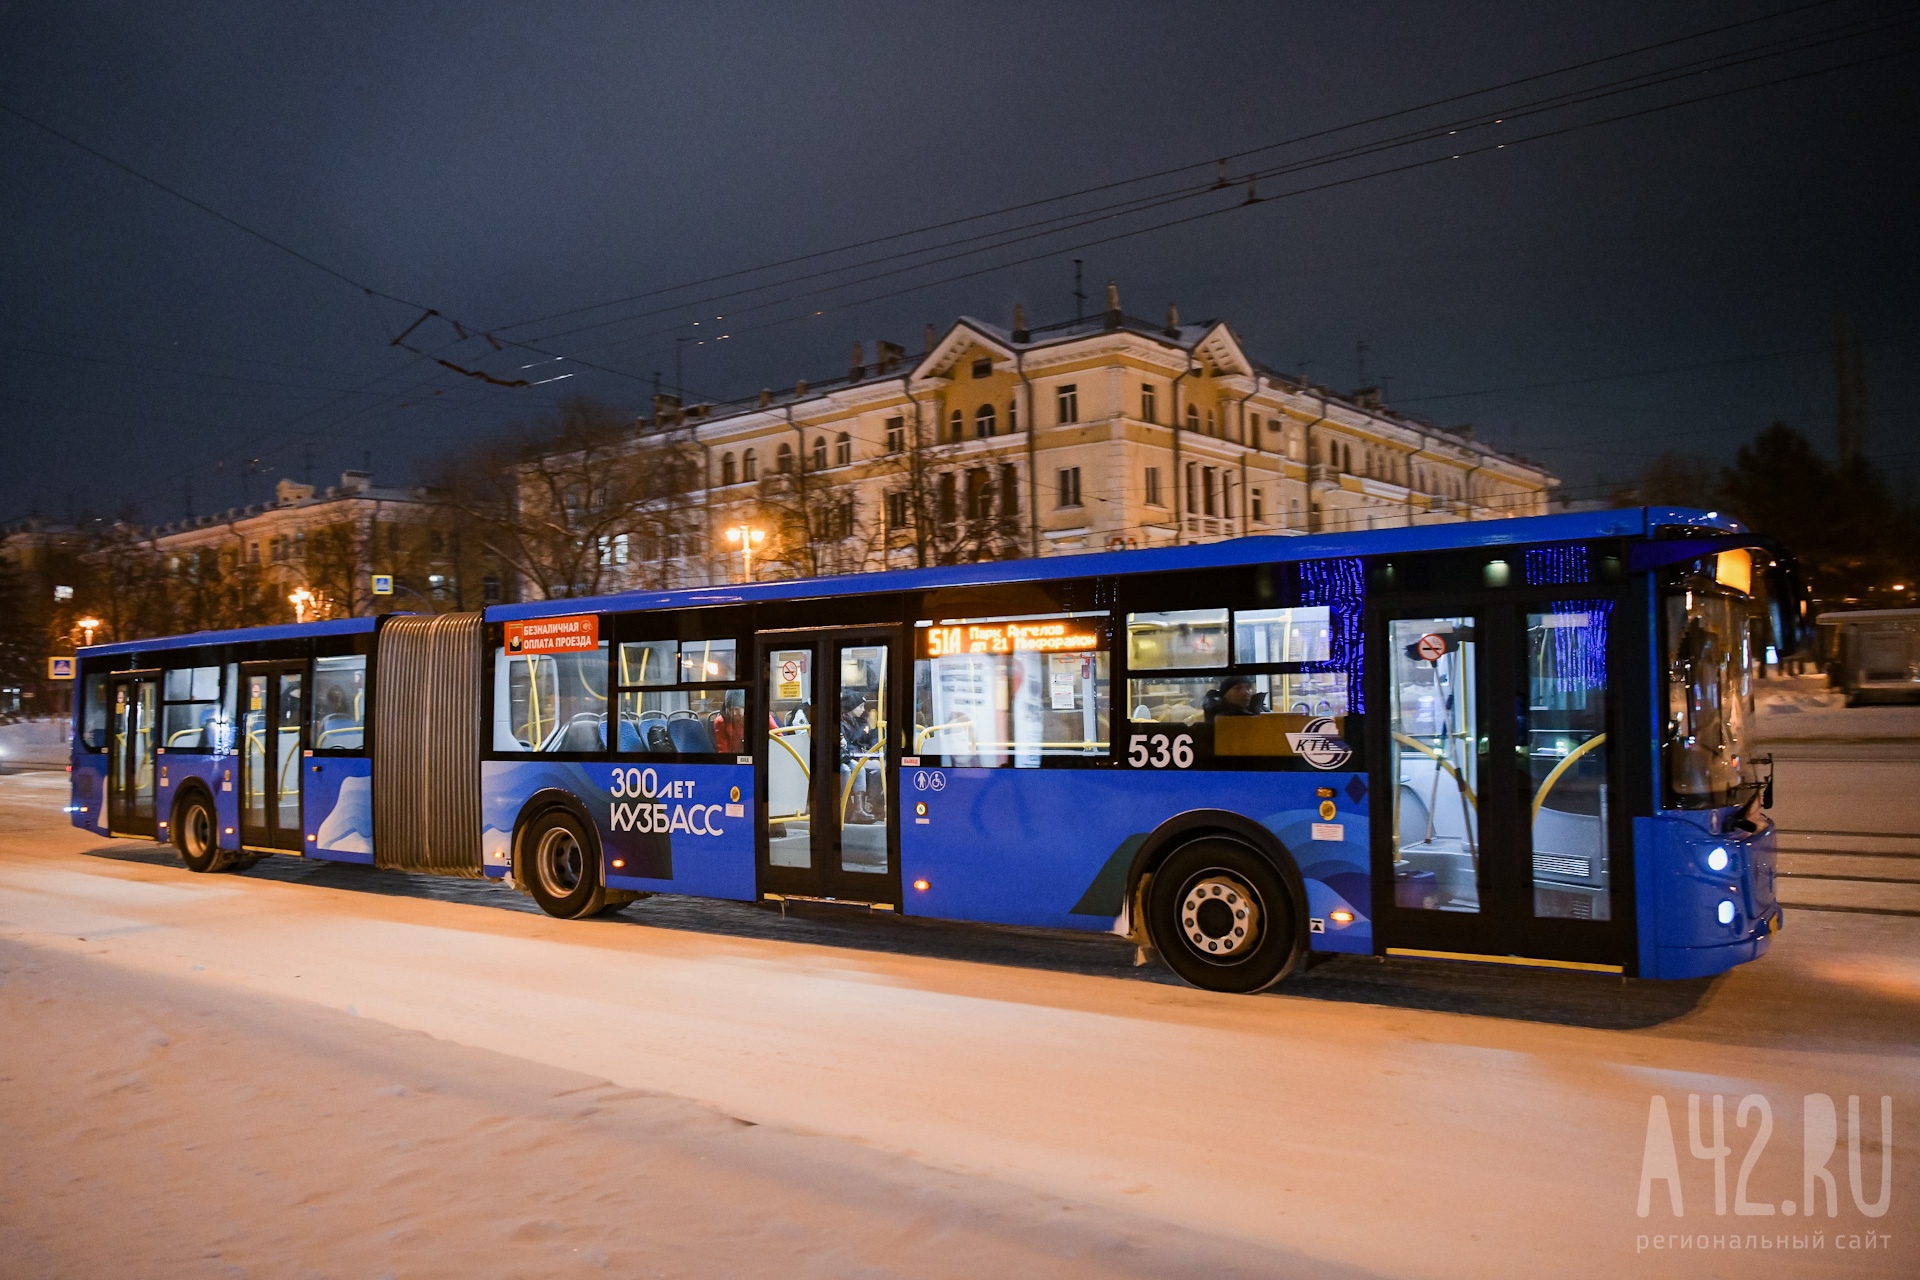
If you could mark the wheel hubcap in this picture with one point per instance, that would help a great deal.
(561, 862)
(1220, 916)
(199, 832)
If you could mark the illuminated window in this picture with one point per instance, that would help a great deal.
(1190, 638)
(1011, 692)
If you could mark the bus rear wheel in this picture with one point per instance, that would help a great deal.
(561, 867)
(196, 835)
(1222, 917)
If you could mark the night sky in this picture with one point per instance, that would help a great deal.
(501, 162)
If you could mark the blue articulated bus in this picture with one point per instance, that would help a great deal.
(1523, 740)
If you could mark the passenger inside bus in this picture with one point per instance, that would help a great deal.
(1234, 697)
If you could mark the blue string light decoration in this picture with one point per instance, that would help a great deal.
(1341, 585)
(1555, 566)
(1579, 653)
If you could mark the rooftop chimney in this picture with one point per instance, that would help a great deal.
(666, 408)
(800, 389)
(1020, 324)
(355, 481)
(887, 356)
(1173, 321)
(859, 369)
(766, 397)
(1113, 305)
(929, 337)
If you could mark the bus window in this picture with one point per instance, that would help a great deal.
(93, 723)
(1566, 751)
(1263, 636)
(649, 662)
(188, 722)
(1709, 693)
(998, 692)
(340, 703)
(667, 704)
(550, 701)
(1190, 638)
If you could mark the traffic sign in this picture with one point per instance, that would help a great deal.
(60, 668)
(383, 584)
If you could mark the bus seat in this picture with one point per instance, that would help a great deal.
(1413, 817)
(630, 739)
(691, 736)
(583, 733)
(658, 740)
(340, 732)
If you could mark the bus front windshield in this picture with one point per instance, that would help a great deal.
(1709, 661)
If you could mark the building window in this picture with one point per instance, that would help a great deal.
(896, 435)
(1153, 486)
(614, 550)
(1067, 488)
(984, 423)
(727, 469)
(896, 511)
(1013, 415)
(983, 367)
(783, 459)
(979, 493)
(1193, 419)
(1256, 508)
(1149, 403)
(1346, 457)
(1213, 428)
(835, 523)
(949, 500)
(819, 453)
(1068, 400)
(253, 553)
(956, 426)
(842, 449)
(1206, 491)
(1009, 490)
(490, 588)
(1193, 487)
(750, 466)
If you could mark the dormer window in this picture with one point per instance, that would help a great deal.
(983, 367)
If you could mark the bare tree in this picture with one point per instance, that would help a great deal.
(581, 502)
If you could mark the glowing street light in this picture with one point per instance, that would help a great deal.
(746, 538)
(301, 600)
(89, 625)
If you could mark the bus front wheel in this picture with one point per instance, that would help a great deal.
(1222, 917)
(561, 867)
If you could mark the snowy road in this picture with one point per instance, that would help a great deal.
(219, 1072)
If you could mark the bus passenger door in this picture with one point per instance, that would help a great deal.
(1499, 836)
(130, 781)
(272, 701)
(826, 768)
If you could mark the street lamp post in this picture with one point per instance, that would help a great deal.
(746, 538)
(301, 600)
(89, 625)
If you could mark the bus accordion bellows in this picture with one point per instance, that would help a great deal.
(1520, 741)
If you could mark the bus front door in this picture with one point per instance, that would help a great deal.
(1500, 836)
(130, 784)
(273, 702)
(829, 825)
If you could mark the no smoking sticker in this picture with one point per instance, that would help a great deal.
(1430, 647)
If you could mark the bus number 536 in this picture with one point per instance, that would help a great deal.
(1157, 751)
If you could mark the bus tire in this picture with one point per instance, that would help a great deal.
(1222, 917)
(196, 833)
(562, 866)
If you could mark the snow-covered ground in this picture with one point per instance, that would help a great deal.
(249, 1075)
(1801, 707)
(39, 744)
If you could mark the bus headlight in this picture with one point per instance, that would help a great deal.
(1726, 911)
(1717, 861)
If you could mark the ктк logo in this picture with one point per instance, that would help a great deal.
(1320, 745)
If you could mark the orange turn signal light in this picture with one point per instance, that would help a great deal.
(1340, 917)
(920, 885)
